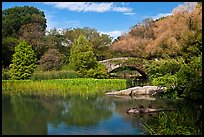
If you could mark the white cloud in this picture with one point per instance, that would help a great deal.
(53, 23)
(89, 6)
(160, 15)
(129, 13)
(121, 9)
(113, 34)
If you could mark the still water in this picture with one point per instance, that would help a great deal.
(104, 115)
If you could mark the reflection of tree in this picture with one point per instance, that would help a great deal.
(54, 106)
(23, 115)
(30, 114)
(24, 109)
(8, 124)
(81, 111)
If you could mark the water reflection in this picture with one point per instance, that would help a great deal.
(71, 115)
(21, 115)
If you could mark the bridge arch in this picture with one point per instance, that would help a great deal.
(135, 63)
(144, 75)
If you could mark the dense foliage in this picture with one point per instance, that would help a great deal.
(27, 23)
(175, 35)
(51, 60)
(183, 80)
(14, 18)
(23, 62)
(8, 47)
(83, 60)
(178, 66)
(82, 56)
(99, 42)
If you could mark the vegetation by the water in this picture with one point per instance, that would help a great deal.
(184, 121)
(62, 87)
(62, 74)
(183, 80)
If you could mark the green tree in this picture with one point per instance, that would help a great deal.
(51, 60)
(26, 23)
(23, 62)
(99, 42)
(14, 18)
(189, 79)
(82, 57)
(55, 39)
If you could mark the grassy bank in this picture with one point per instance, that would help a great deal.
(186, 120)
(62, 87)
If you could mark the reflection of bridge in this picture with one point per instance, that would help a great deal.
(136, 63)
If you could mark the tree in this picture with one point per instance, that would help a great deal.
(99, 42)
(26, 23)
(8, 47)
(177, 35)
(14, 18)
(23, 62)
(51, 60)
(82, 57)
(55, 39)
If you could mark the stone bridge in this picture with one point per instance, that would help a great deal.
(137, 63)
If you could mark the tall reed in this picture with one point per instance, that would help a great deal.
(63, 74)
(62, 87)
(187, 120)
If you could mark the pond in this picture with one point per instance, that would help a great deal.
(100, 115)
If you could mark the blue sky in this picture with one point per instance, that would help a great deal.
(113, 18)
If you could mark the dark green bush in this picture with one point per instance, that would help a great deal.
(184, 82)
(99, 72)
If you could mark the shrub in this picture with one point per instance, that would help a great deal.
(190, 79)
(99, 72)
(51, 60)
(164, 66)
(184, 82)
(5, 74)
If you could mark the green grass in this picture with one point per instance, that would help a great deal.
(63, 74)
(62, 87)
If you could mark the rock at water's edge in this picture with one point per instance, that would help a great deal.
(145, 90)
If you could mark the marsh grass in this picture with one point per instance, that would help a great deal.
(62, 87)
(63, 74)
(185, 121)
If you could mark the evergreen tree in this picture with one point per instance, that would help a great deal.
(82, 57)
(23, 62)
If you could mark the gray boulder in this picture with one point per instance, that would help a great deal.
(145, 90)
